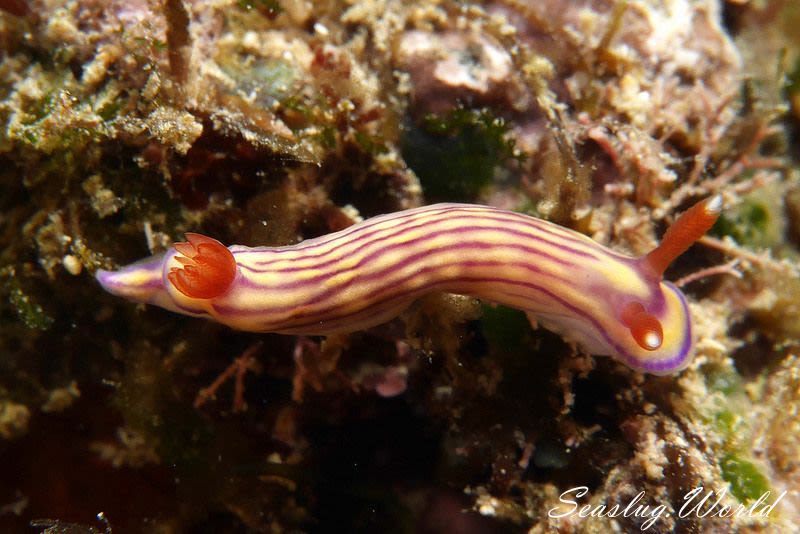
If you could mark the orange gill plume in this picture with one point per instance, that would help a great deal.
(208, 267)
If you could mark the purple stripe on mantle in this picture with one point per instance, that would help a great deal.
(413, 223)
(411, 243)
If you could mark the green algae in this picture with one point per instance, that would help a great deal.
(747, 481)
(726, 381)
(370, 144)
(30, 312)
(755, 217)
(62, 118)
(455, 155)
(728, 398)
(755, 222)
(266, 80)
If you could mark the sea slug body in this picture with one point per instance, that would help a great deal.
(608, 303)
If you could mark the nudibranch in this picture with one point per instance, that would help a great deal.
(362, 276)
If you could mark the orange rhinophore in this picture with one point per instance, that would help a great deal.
(208, 267)
(689, 227)
(644, 327)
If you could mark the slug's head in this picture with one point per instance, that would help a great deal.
(654, 335)
(185, 279)
(659, 329)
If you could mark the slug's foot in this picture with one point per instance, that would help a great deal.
(208, 267)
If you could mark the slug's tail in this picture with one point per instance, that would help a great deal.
(139, 282)
(687, 229)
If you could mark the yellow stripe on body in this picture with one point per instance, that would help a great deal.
(356, 267)
(356, 293)
(337, 250)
